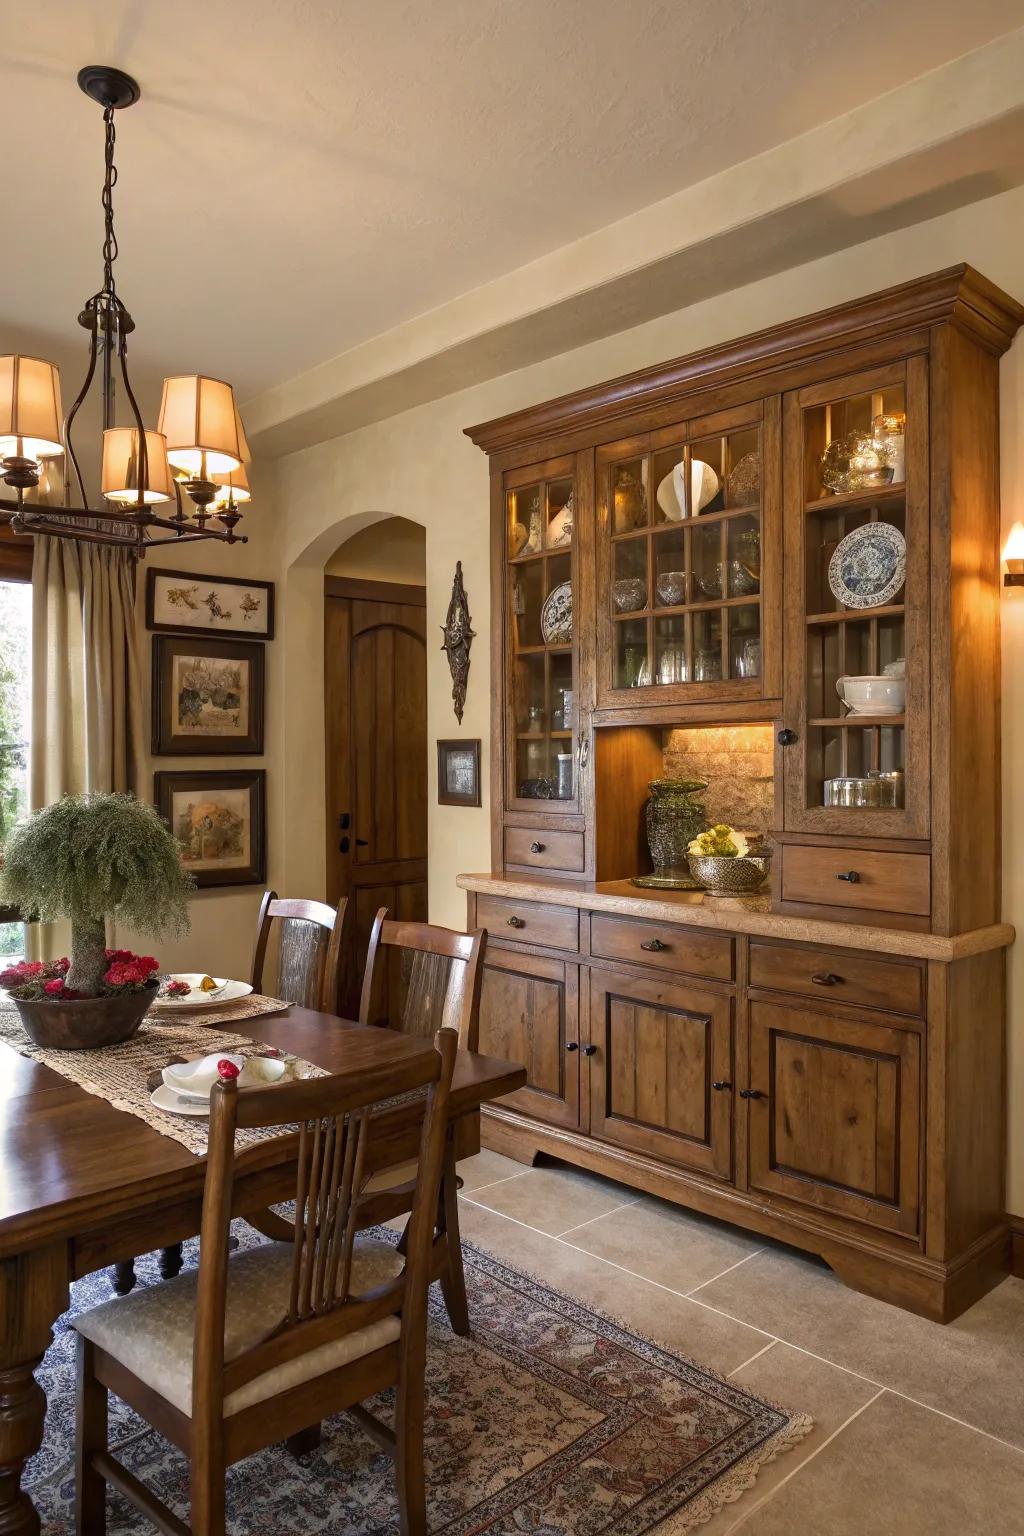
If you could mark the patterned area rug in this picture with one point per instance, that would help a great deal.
(550, 1419)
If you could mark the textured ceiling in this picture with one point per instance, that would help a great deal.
(300, 176)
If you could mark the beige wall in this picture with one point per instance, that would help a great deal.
(391, 550)
(421, 459)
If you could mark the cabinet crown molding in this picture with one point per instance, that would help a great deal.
(958, 295)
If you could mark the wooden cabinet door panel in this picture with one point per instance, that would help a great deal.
(836, 1120)
(529, 1013)
(658, 1048)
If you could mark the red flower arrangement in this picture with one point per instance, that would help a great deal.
(43, 980)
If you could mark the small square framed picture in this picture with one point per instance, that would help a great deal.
(458, 773)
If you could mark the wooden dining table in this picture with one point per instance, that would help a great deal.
(84, 1186)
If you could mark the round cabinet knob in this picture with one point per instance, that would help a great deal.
(537, 847)
(751, 1093)
(851, 877)
(655, 946)
(786, 737)
(516, 922)
(721, 1085)
(825, 979)
(572, 1045)
(590, 1050)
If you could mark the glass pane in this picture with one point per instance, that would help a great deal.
(668, 481)
(632, 666)
(525, 533)
(671, 656)
(743, 468)
(671, 587)
(557, 614)
(629, 585)
(745, 641)
(526, 601)
(559, 520)
(629, 495)
(827, 529)
(857, 444)
(743, 542)
(856, 768)
(707, 646)
(706, 545)
(708, 462)
(562, 696)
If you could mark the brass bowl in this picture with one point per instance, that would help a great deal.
(84, 1024)
(723, 876)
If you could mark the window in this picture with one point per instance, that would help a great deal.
(15, 718)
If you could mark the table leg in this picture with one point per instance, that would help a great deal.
(33, 1294)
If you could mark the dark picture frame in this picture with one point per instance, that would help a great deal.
(169, 739)
(174, 792)
(458, 760)
(197, 607)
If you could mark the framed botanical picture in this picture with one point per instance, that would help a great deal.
(207, 696)
(458, 773)
(225, 605)
(220, 820)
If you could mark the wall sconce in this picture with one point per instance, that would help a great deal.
(1013, 557)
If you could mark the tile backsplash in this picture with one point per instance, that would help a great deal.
(737, 760)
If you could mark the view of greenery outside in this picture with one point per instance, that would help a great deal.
(15, 693)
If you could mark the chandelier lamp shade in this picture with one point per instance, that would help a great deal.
(184, 481)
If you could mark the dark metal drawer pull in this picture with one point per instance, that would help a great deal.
(851, 877)
(516, 922)
(590, 1050)
(537, 847)
(721, 1085)
(825, 979)
(751, 1093)
(654, 945)
(573, 1045)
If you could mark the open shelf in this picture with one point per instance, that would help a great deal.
(857, 615)
(857, 722)
(859, 501)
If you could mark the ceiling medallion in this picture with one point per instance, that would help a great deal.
(193, 462)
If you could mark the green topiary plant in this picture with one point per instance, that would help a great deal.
(90, 857)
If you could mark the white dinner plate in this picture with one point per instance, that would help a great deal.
(165, 1098)
(196, 1001)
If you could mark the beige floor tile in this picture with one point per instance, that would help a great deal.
(803, 1385)
(680, 1325)
(555, 1199)
(664, 1243)
(487, 1168)
(898, 1468)
(971, 1368)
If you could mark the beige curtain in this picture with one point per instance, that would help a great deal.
(86, 684)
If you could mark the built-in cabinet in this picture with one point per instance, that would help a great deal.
(695, 547)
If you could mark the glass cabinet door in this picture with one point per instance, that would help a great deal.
(541, 630)
(682, 567)
(856, 558)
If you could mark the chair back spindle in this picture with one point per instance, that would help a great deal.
(313, 951)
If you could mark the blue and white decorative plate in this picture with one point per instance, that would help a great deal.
(869, 566)
(556, 616)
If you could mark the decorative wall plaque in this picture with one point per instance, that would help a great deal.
(458, 637)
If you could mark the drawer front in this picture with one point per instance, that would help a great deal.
(531, 922)
(664, 945)
(537, 848)
(857, 877)
(836, 975)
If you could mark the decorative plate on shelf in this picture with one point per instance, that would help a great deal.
(869, 566)
(556, 615)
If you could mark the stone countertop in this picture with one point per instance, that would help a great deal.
(752, 916)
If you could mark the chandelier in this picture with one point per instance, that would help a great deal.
(192, 468)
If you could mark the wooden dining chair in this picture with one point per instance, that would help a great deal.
(255, 1347)
(419, 978)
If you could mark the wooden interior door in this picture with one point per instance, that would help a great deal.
(661, 1069)
(529, 1012)
(836, 1120)
(375, 667)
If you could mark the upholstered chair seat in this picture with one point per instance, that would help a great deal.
(151, 1331)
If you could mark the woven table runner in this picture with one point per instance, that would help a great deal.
(120, 1073)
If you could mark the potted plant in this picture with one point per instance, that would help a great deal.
(89, 858)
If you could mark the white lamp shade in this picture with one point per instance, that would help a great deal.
(30, 412)
(202, 427)
(231, 488)
(120, 476)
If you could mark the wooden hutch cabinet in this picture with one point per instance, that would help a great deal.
(686, 583)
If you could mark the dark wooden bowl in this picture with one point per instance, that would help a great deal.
(85, 1024)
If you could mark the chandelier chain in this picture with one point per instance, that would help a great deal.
(109, 183)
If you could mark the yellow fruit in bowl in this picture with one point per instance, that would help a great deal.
(722, 842)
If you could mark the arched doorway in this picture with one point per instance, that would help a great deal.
(375, 697)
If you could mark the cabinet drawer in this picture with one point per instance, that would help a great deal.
(661, 944)
(836, 975)
(883, 882)
(536, 848)
(532, 922)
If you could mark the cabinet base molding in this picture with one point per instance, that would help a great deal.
(1017, 1246)
(896, 1272)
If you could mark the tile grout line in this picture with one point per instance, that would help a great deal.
(803, 1464)
(773, 1337)
(763, 1351)
(624, 1207)
(690, 1294)
(505, 1179)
